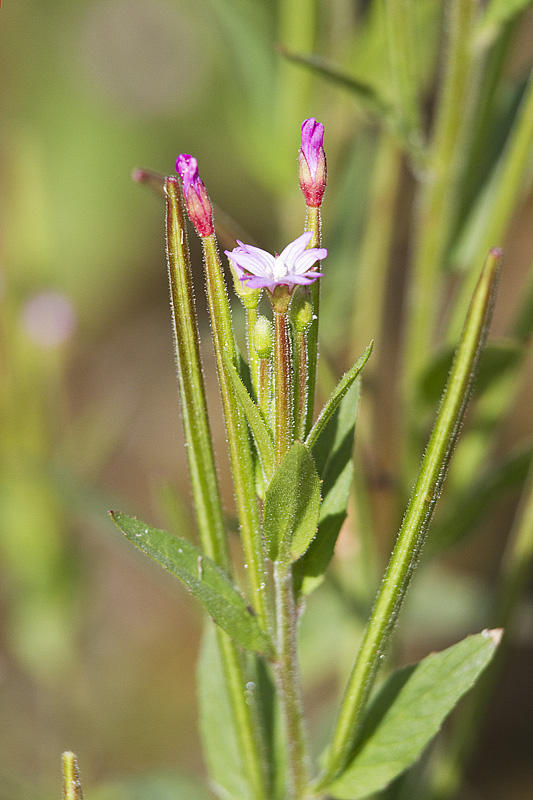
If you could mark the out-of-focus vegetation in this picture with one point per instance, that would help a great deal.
(97, 648)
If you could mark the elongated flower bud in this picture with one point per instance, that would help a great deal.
(196, 197)
(312, 162)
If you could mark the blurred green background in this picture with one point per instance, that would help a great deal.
(98, 646)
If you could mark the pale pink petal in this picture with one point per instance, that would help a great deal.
(309, 257)
(294, 249)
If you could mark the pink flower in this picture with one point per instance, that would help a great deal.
(312, 162)
(294, 265)
(196, 197)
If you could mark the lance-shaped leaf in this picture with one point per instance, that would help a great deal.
(260, 432)
(292, 505)
(408, 712)
(332, 454)
(338, 393)
(202, 577)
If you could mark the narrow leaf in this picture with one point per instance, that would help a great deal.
(498, 14)
(202, 577)
(336, 397)
(260, 432)
(220, 740)
(408, 712)
(332, 454)
(292, 505)
(360, 89)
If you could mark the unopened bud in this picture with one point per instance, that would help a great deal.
(196, 197)
(312, 162)
(249, 297)
(262, 338)
(301, 311)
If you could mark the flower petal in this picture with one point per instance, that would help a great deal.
(309, 257)
(294, 249)
(257, 265)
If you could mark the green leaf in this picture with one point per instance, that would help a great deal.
(220, 741)
(336, 397)
(292, 505)
(333, 458)
(498, 14)
(205, 580)
(408, 712)
(363, 91)
(260, 432)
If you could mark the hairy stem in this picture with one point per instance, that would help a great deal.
(415, 524)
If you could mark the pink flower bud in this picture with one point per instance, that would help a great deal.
(196, 197)
(312, 162)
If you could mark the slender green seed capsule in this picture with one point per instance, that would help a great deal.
(262, 337)
(301, 311)
(71, 777)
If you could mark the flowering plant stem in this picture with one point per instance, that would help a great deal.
(288, 679)
(282, 384)
(202, 469)
(313, 224)
(415, 523)
(237, 432)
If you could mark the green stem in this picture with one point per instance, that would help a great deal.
(71, 777)
(312, 223)
(203, 472)
(300, 383)
(438, 193)
(237, 431)
(253, 358)
(282, 385)
(287, 674)
(264, 389)
(402, 50)
(416, 521)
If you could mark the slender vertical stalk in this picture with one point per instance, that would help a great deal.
(282, 385)
(253, 358)
(71, 777)
(287, 674)
(312, 223)
(438, 194)
(416, 521)
(202, 468)
(399, 16)
(264, 387)
(237, 432)
(300, 383)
